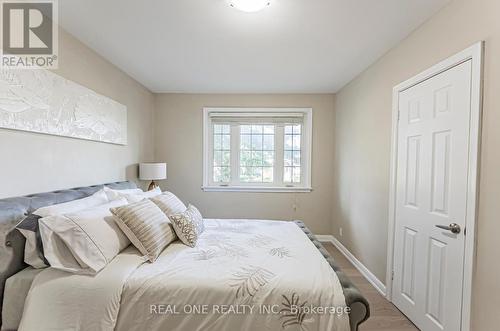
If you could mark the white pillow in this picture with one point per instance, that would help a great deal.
(83, 242)
(152, 193)
(117, 194)
(33, 255)
(132, 195)
(96, 199)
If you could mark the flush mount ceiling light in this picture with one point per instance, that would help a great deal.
(249, 6)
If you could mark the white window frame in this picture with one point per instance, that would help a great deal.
(306, 153)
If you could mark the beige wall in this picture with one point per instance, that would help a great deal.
(32, 162)
(178, 141)
(363, 129)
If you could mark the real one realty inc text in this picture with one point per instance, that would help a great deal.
(205, 309)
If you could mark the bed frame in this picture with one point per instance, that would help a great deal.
(360, 308)
(13, 210)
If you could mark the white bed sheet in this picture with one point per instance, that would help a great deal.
(16, 291)
(236, 263)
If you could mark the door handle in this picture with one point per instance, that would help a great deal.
(453, 227)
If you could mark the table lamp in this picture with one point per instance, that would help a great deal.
(152, 172)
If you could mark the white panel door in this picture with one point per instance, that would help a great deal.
(433, 137)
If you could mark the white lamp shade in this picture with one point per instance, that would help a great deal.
(152, 171)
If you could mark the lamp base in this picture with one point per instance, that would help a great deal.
(152, 185)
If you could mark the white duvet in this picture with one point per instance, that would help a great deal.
(242, 275)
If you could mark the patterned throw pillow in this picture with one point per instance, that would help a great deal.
(147, 227)
(188, 225)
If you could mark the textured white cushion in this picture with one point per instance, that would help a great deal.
(132, 195)
(83, 242)
(152, 193)
(188, 225)
(147, 227)
(32, 254)
(96, 199)
(169, 203)
(117, 194)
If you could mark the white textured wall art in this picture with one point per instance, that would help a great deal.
(41, 101)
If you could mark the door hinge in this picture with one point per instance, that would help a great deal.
(465, 231)
(392, 275)
(399, 114)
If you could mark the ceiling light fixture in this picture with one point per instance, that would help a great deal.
(249, 6)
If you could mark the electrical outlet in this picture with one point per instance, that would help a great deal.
(341, 232)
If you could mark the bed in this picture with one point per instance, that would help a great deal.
(127, 281)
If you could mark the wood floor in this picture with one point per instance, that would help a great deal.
(384, 315)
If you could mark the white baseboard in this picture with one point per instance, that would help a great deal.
(370, 277)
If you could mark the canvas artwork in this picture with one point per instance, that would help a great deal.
(44, 102)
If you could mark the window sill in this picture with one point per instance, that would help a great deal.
(256, 189)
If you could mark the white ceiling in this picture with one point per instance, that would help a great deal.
(293, 46)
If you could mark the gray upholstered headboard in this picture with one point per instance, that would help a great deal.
(13, 210)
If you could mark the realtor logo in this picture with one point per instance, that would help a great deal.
(29, 34)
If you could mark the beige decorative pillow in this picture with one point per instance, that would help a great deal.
(188, 225)
(147, 227)
(169, 203)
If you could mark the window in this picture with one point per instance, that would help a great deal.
(257, 149)
(222, 153)
(292, 153)
(256, 153)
